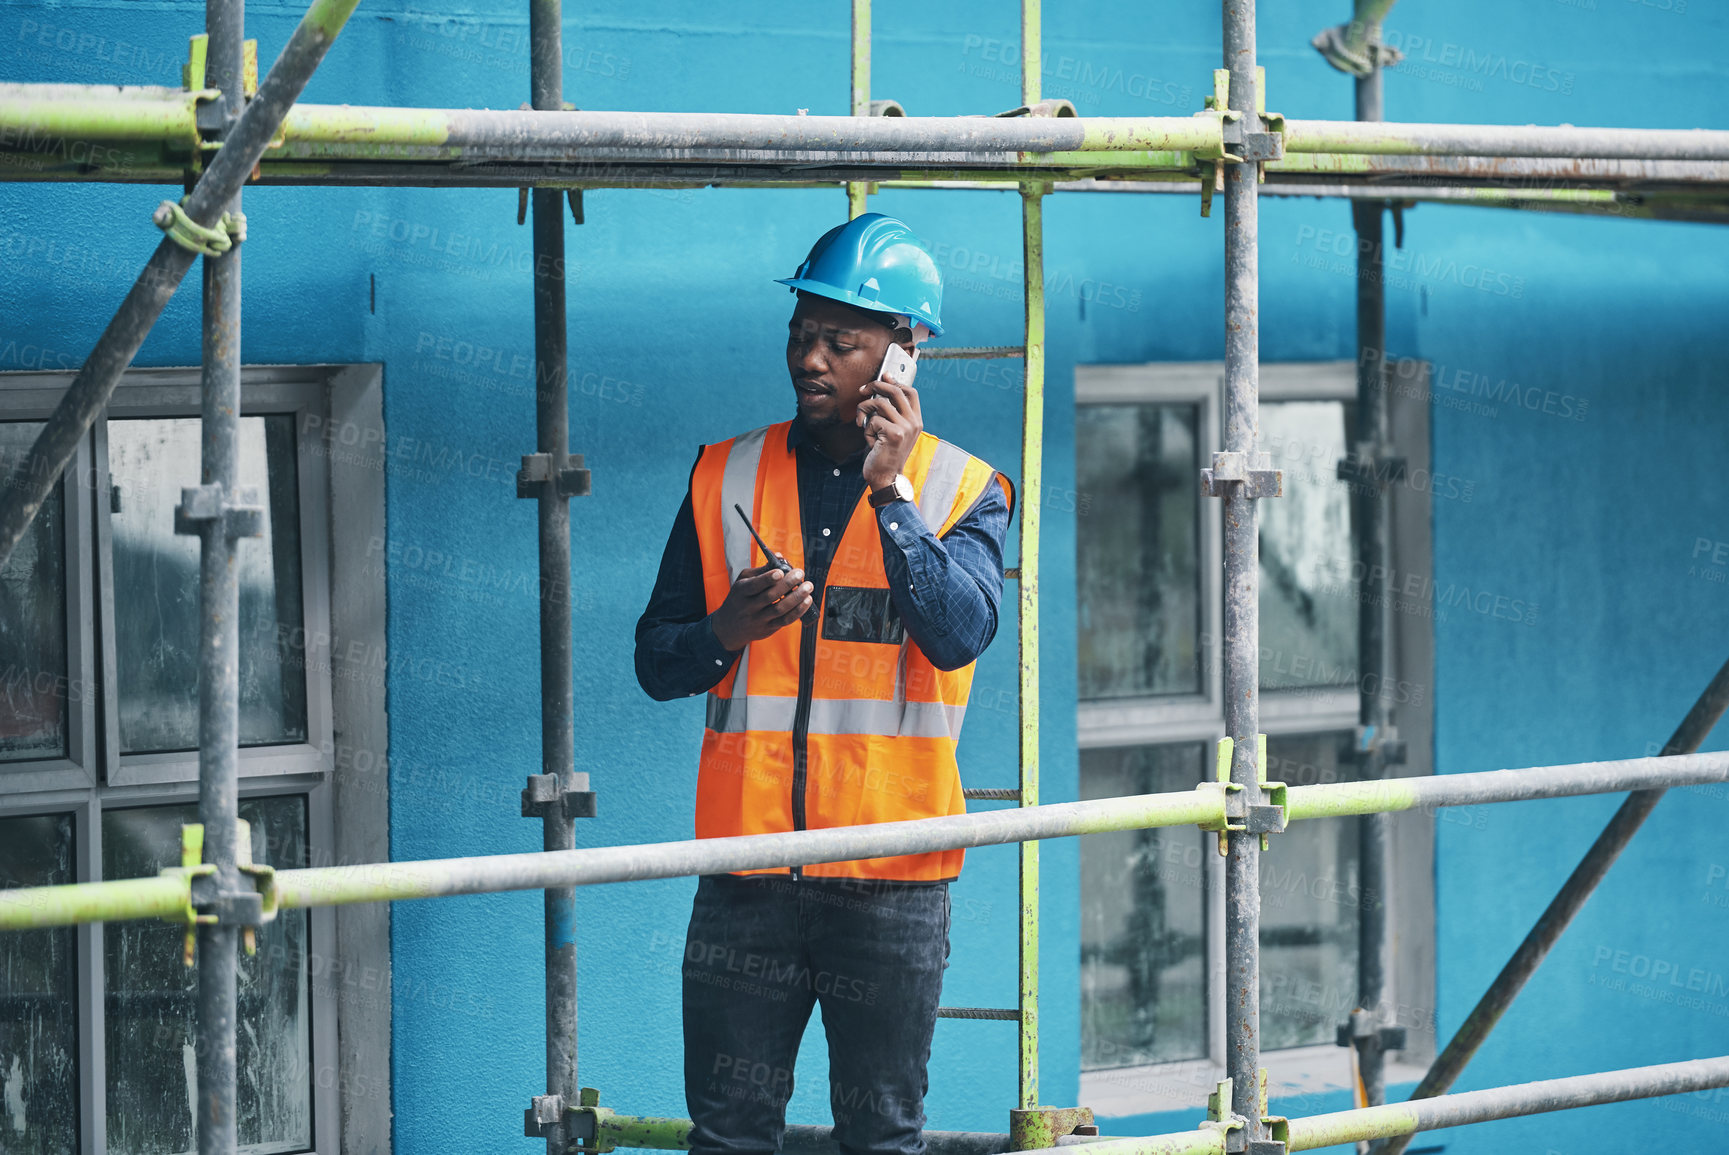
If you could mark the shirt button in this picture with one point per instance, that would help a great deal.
(718, 662)
(837, 473)
(825, 533)
(894, 525)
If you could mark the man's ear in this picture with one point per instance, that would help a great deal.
(903, 337)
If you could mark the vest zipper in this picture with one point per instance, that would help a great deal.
(808, 627)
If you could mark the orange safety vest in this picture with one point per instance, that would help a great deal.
(840, 721)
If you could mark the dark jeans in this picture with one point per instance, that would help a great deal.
(761, 952)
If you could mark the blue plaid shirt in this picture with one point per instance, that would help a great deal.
(947, 590)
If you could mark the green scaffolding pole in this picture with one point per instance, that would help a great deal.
(1032, 469)
(1032, 481)
(857, 191)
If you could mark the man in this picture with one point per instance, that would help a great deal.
(835, 697)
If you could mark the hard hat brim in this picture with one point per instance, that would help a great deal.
(847, 297)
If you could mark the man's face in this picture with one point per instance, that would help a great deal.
(832, 352)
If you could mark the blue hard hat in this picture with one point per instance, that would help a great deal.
(874, 262)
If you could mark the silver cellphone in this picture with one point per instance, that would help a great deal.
(899, 364)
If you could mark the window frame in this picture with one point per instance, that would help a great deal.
(79, 767)
(267, 393)
(344, 816)
(1175, 719)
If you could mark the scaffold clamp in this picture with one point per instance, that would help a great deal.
(1035, 1128)
(1213, 158)
(207, 241)
(543, 1114)
(1367, 741)
(587, 1131)
(202, 505)
(1038, 108)
(1278, 1128)
(1371, 466)
(1253, 471)
(572, 480)
(1364, 1026)
(207, 904)
(543, 793)
(1220, 1117)
(1241, 815)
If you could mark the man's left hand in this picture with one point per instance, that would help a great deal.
(892, 423)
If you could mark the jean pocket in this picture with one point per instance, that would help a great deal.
(948, 923)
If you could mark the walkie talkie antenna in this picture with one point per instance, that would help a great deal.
(774, 558)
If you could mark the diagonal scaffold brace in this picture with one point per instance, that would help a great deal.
(35, 475)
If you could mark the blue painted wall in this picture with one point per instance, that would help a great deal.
(1598, 506)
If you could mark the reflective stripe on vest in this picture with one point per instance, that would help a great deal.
(738, 487)
(942, 482)
(763, 712)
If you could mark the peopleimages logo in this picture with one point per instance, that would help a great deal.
(1462, 66)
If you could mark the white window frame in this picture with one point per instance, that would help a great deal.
(1174, 719)
(346, 811)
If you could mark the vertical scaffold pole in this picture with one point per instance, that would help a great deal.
(557, 690)
(219, 632)
(858, 190)
(1372, 512)
(1032, 482)
(1241, 611)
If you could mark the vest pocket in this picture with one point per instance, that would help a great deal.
(861, 614)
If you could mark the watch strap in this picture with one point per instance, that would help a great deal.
(891, 493)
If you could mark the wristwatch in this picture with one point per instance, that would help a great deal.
(900, 489)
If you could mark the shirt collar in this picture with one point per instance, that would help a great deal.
(798, 437)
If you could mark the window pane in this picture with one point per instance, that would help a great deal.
(152, 998)
(156, 587)
(38, 999)
(1308, 611)
(1138, 550)
(1309, 901)
(33, 674)
(1143, 918)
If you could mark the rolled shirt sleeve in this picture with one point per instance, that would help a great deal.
(947, 589)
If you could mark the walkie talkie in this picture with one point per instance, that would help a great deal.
(774, 558)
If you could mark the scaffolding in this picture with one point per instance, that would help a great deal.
(222, 131)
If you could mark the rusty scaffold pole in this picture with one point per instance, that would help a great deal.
(558, 795)
(1241, 476)
(1370, 468)
(219, 514)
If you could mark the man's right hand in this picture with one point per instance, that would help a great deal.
(761, 601)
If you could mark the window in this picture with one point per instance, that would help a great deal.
(99, 627)
(1149, 624)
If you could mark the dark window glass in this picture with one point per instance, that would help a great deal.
(1310, 897)
(1308, 604)
(152, 997)
(38, 999)
(1138, 550)
(1143, 918)
(156, 587)
(33, 671)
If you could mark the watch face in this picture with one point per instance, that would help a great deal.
(903, 488)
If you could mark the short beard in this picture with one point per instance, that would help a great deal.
(819, 425)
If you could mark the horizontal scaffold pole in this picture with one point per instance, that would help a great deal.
(1366, 1123)
(33, 113)
(1341, 799)
(607, 1129)
(35, 476)
(673, 133)
(33, 907)
(1512, 140)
